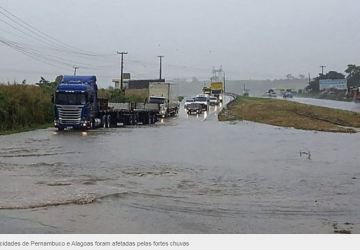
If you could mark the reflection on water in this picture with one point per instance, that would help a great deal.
(205, 114)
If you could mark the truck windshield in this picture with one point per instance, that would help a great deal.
(157, 100)
(70, 99)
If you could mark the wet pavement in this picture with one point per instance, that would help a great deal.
(190, 174)
(351, 106)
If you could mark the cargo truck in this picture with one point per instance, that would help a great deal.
(162, 93)
(157, 92)
(76, 105)
(217, 90)
(206, 90)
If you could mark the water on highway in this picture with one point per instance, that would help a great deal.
(189, 174)
(350, 106)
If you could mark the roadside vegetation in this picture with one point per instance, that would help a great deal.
(24, 107)
(291, 114)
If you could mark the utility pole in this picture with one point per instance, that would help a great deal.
(75, 68)
(224, 81)
(322, 69)
(160, 57)
(121, 67)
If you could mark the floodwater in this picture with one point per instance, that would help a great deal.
(351, 106)
(190, 174)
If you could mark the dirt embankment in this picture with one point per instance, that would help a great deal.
(291, 114)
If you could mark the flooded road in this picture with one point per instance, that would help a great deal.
(351, 106)
(190, 174)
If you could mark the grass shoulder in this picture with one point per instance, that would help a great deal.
(26, 129)
(291, 114)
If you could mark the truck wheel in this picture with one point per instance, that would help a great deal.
(60, 129)
(92, 123)
(133, 121)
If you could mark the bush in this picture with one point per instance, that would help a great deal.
(23, 106)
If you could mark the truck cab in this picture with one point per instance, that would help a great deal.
(162, 102)
(167, 108)
(75, 103)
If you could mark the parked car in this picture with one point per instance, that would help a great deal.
(194, 108)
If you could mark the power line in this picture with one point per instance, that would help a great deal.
(43, 37)
(54, 58)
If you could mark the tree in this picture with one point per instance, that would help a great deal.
(334, 75)
(353, 77)
(314, 85)
(48, 86)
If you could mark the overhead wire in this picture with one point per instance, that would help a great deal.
(54, 44)
(46, 37)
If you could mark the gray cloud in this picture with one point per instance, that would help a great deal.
(250, 38)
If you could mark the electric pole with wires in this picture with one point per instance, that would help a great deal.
(75, 69)
(121, 67)
(160, 57)
(322, 69)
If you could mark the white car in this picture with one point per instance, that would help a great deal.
(188, 101)
(203, 101)
(213, 100)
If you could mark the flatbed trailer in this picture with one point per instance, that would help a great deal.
(115, 114)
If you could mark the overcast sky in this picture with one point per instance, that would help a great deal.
(251, 39)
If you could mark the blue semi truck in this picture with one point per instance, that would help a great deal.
(76, 105)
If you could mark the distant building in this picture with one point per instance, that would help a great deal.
(126, 79)
(142, 84)
(340, 84)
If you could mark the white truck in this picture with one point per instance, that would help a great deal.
(203, 100)
(162, 93)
